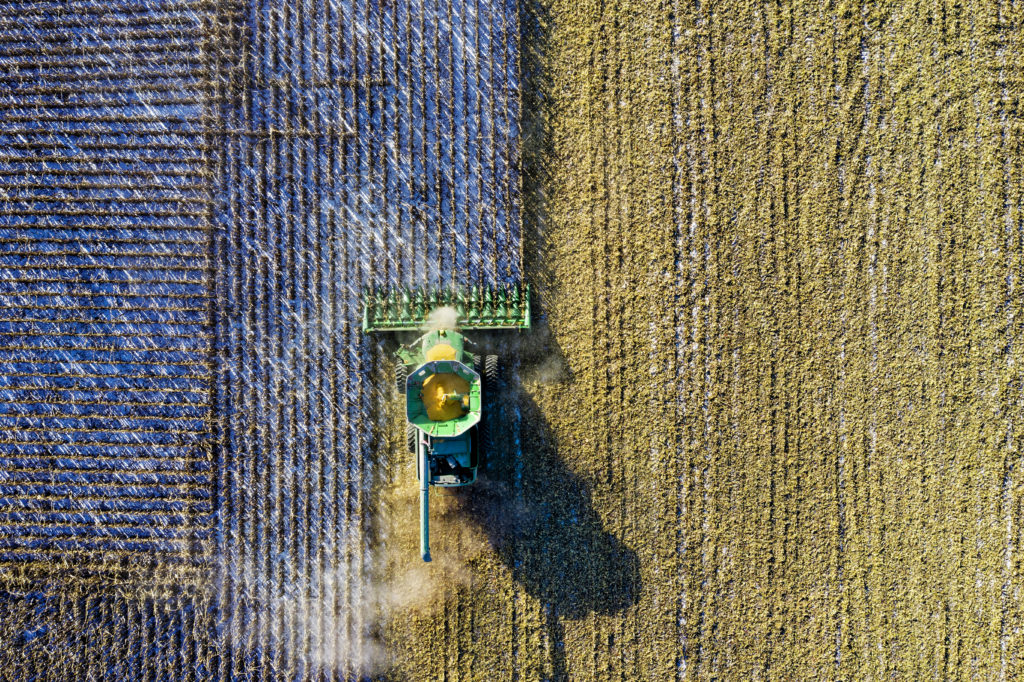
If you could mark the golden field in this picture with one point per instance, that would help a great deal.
(768, 424)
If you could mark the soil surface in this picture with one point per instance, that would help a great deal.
(767, 424)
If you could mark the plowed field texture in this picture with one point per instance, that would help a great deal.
(767, 425)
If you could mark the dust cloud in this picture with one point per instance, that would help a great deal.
(316, 620)
(409, 584)
(445, 317)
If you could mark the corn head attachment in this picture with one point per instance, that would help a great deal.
(475, 307)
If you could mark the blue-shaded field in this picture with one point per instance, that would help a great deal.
(193, 197)
(104, 255)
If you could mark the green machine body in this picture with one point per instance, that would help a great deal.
(441, 380)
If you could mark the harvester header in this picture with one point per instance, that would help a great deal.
(402, 309)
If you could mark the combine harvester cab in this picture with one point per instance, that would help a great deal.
(443, 384)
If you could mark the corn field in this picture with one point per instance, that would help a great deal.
(765, 425)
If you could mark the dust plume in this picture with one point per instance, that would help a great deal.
(408, 584)
(315, 620)
(445, 317)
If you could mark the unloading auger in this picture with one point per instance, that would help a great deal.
(442, 382)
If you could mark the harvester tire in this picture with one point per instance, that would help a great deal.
(401, 373)
(410, 437)
(491, 371)
(489, 374)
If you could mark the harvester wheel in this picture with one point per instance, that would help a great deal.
(401, 373)
(410, 437)
(491, 371)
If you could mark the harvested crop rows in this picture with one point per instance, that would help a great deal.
(773, 429)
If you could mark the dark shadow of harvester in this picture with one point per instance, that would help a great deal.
(538, 513)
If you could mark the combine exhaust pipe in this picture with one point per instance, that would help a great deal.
(424, 504)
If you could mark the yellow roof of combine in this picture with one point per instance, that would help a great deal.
(442, 398)
(441, 351)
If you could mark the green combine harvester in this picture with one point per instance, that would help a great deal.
(442, 381)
